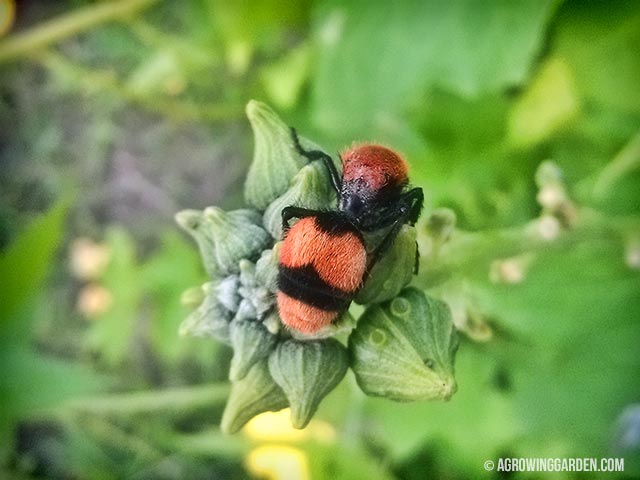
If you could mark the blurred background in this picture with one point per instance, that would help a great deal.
(114, 115)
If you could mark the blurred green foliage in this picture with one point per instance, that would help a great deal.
(141, 114)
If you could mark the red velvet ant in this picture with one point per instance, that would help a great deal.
(324, 260)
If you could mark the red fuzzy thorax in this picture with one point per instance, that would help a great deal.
(376, 165)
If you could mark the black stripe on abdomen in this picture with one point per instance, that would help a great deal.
(304, 284)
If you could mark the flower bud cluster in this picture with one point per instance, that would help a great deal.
(403, 347)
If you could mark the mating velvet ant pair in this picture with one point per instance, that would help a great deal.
(324, 259)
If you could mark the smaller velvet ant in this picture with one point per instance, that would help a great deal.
(324, 259)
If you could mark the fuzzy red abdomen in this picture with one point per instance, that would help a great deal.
(339, 259)
(320, 273)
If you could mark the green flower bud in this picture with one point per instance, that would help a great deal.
(251, 342)
(272, 322)
(404, 350)
(225, 238)
(210, 318)
(267, 268)
(393, 271)
(311, 188)
(307, 372)
(227, 292)
(192, 221)
(275, 160)
(192, 298)
(254, 394)
(257, 298)
(237, 235)
(549, 173)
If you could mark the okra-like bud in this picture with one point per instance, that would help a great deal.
(311, 188)
(404, 350)
(192, 221)
(393, 271)
(210, 318)
(225, 238)
(237, 235)
(251, 342)
(307, 372)
(253, 394)
(275, 160)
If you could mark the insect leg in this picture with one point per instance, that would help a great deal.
(414, 200)
(295, 212)
(407, 211)
(311, 155)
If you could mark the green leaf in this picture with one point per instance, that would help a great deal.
(283, 80)
(31, 381)
(598, 43)
(257, 25)
(345, 461)
(549, 103)
(374, 60)
(576, 312)
(170, 270)
(25, 263)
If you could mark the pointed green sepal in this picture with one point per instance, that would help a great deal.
(307, 372)
(193, 222)
(225, 238)
(267, 268)
(251, 342)
(275, 160)
(210, 318)
(404, 350)
(237, 235)
(256, 393)
(311, 188)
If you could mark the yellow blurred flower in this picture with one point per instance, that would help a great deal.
(276, 426)
(93, 300)
(88, 259)
(278, 462)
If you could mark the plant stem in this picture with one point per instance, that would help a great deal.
(208, 443)
(67, 25)
(157, 401)
(627, 160)
(470, 254)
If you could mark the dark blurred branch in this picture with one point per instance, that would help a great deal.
(67, 25)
